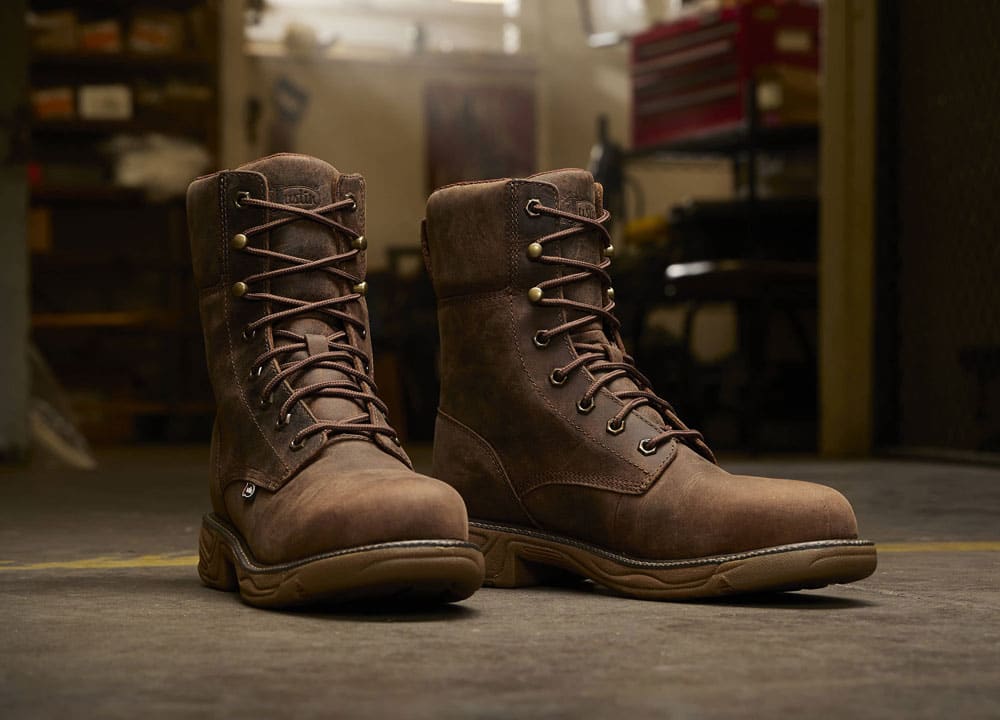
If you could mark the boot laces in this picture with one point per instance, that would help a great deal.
(341, 355)
(609, 361)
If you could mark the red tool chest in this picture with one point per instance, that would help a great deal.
(691, 77)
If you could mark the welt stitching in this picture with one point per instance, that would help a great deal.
(224, 210)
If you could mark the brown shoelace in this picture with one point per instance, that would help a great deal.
(341, 355)
(607, 363)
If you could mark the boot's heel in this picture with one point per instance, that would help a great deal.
(506, 566)
(214, 567)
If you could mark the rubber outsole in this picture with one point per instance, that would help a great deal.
(518, 557)
(417, 571)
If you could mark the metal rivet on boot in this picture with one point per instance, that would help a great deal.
(359, 243)
(239, 289)
(616, 428)
(609, 251)
(645, 449)
(535, 250)
(361, 288)
(535, 294)
(238, 242)
(248, 490)
(611, 294)
(295, 446)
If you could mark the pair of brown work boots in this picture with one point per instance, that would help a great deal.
(568, 462)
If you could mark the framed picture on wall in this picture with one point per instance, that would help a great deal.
(478, 132)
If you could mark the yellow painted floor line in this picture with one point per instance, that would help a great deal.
(105, 563)
(932, 546)
(175, 560)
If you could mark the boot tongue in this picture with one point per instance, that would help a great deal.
(578, 194)
(309, 183)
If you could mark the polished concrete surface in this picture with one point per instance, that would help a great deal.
(103, 616)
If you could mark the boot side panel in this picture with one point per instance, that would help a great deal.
(467, 462)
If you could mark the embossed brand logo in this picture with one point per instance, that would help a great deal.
(302, 196)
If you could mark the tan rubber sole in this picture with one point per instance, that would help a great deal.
(419, 571)
(518, 557)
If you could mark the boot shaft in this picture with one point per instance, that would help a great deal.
(255, 431)
(502, 402)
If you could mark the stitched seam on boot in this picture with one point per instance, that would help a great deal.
(229, 330)
(511, 238)
(491, 453)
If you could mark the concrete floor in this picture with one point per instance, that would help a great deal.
(103, 616)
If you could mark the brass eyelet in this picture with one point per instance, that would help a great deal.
(256, 372)
(608, 252)
(361, 288)
(584, 408)
(359, 243)
(241, 195)
(615, 429)
(645, 449)
(530, 204)
(265, 402)
(354, 200)
(557, 378)
(283, 422)
(296, 445)
(249, 333)
(541, 340)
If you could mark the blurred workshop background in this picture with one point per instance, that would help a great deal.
(804, 196)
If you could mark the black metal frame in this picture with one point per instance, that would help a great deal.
(888, 226)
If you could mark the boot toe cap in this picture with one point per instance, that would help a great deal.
(718, 514)
(354, 510)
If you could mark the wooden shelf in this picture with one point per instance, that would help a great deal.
(115, 281)
(735, 139)
(125, 61)
(166, 126)
(86, 320)
(99, 194)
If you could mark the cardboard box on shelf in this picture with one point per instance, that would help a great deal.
(105, 102)
(101, 36)
(39, 230)
(53, 103)
(154, 33)
(53, 32)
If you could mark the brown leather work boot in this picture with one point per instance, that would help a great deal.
(313, 498)
(565, 457)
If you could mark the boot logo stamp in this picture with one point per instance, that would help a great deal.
(300, 196)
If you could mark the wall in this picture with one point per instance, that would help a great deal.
(367, 117)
